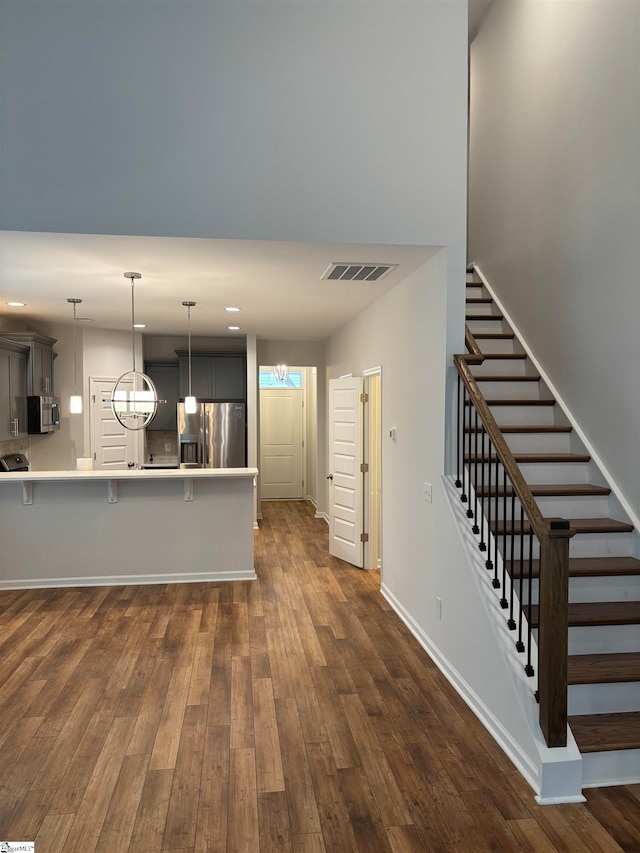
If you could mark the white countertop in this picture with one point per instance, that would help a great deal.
(129, 474)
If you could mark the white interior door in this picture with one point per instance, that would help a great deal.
(281, 442)
(345, 477)
(112, 446)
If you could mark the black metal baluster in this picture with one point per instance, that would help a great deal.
(471, 410)
(460, 430)
(488, 562)
(475, 527)
(529, 668)
(496, 579)
(465, 404)
(519, 643)
(503, 600)
(485, 462)
(512, 622)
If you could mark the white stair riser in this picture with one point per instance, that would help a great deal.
(494, 326)
(538, 442)
(525, 415)
(603, 698)
(604, 639)
(588, 589)
(611, 768)
(504, 345)
(501, 367)
(509, 390)
(601, 545)
(479, 307)
(574, 507)
(539, 472)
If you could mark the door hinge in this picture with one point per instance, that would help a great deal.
(364, 467)
(303, 442)
(94, 456)
(364, 398)
(364, 537)
(93, 398)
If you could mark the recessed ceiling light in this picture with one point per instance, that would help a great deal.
(233, 328)
(139, 325)
(231, 308)
(16, 304)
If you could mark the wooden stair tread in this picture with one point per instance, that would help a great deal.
(484, 317)
(504, 355)
(532, 457)
(516, 402)
(493, 336)
(507, 377)
(478, 300)
(527, 428)
(604, 669)
(550, 490)
(595, 613)
(606, 732)
(584, 567)
(580, 525)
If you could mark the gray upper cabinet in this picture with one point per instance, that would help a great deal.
(214, 376)
(40, 360)
(13, 391)
(165, 377)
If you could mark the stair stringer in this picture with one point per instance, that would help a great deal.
(512, 719)
(617, 496)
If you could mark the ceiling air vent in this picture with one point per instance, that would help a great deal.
(357, 272)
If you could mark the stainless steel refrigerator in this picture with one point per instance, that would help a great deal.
(213, 437)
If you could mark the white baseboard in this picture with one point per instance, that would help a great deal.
(129, 580)
(633, 516)
(510, 747)
(322, 515)
(256, 526)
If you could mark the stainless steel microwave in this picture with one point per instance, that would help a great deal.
(43, 414)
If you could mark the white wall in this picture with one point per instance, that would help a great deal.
(554, 206)
(422, 555)
(324, 122)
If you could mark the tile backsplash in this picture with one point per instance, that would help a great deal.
(156, 444)
(15, 445)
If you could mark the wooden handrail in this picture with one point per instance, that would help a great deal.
(553, 535)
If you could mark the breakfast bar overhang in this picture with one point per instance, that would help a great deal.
(87, 528)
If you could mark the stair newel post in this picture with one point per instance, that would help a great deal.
(485, 462)
(529, 666)
(460, 434)
(475, 528)
(553, 632)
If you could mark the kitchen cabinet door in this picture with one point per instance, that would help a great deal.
(42, 368)
(229, 377)
(201, 377)
(13, 394)
(165, 378)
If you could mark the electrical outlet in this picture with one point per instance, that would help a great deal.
(427, 492)
(167, 447)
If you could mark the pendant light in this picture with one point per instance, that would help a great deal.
(190, 402)
(134, 400)
(281, 372)
(75, 402)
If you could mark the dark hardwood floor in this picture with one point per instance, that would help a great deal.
(293, 713)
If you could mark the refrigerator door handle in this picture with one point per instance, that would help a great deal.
(203, 438)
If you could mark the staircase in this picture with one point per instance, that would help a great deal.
(604, 569)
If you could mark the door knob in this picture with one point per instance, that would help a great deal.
(329, 476)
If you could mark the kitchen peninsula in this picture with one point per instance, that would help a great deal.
(86, 528)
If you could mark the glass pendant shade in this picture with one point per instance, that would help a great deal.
(190, 402)
(134, 399)
(75, 402)
(281, 372)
